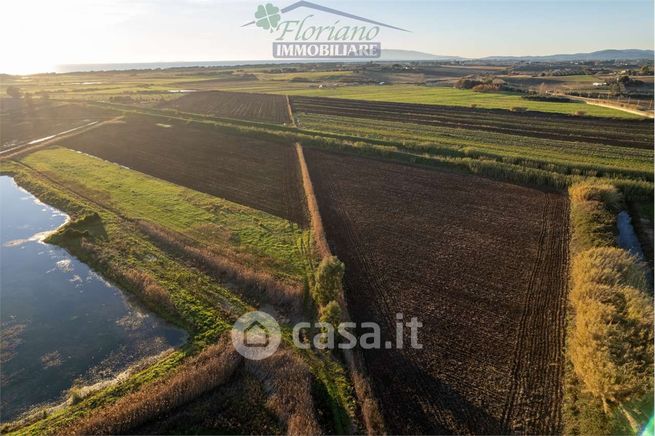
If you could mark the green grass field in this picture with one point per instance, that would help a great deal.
(455, 97)
(268, 241)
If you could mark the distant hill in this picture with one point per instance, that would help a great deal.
(411, 55)
(601, 55)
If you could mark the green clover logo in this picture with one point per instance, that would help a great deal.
(268, 17)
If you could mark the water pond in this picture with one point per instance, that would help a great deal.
(61, 323)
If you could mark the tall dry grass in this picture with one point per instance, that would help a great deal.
(139, 282)
(210, 369)
(287, 381)
(258, 285)
(322, 246)
(610, 339)
(611, 342)
(593, 214)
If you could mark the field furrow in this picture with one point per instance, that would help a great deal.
(480, 263)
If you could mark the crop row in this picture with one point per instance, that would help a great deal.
(557, 156)
(241, 105)
(629, 133)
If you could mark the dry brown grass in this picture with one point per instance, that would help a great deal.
(136, 281)
(288, 382)
(592, 190)
(370, 408)
(148, 288)
(610, 340)
(258, 285)
(209, 369)
(316, 222)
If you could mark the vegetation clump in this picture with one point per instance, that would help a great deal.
(593, 208)
(327, 280)
(610, 339)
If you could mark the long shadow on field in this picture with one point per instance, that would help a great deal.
(416, 402)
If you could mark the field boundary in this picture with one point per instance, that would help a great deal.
(290, 109)
(316, 223)
(368, 403)
(606, 393)
(592, 102)
(390, 151)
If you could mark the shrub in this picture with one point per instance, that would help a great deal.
(331, 313)
(593, 208)
(467, 83)
(14, 91)
(549, 98)
(327, 280)
(519, 109)
(597, 191)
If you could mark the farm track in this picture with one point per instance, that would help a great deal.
(627, 133)
(240, 105)
(481, 263)
(24, 121)
(260, 174)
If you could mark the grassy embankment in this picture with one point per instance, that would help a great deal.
(608, 381)
(106, 212)
(447, 96)
(547, 175)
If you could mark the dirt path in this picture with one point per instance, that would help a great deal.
(593, 102)
(39, 144)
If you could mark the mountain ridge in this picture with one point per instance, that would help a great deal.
(599, 55)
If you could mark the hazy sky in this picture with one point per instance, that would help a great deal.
(38, 34)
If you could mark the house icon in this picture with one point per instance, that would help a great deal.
(256, 335)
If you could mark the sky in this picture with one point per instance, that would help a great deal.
(37, 35)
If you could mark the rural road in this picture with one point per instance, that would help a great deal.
(611, 106)
(49, 140)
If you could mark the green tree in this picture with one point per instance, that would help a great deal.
(327, 280)
(13, 91)
(331, 313)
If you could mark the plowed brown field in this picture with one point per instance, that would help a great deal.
(241, 105)
(257, 173)
(482, 264)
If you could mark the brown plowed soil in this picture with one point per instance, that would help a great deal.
(482, 264)
(240, 105)
(257, 173)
